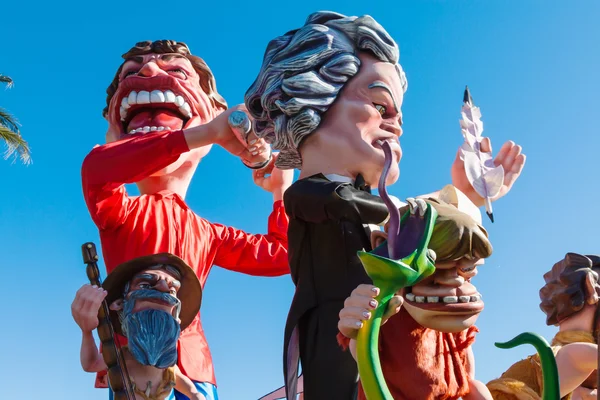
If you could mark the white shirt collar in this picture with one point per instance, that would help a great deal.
(339, 178)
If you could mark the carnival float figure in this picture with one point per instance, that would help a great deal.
(164, 114)
(425, 346)
(570, 300)
(150, 300)
(328, 95)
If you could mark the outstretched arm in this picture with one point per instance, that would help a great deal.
(575, 361)
(184, 385)
(259, 255)
(85, 313)
(107, 168)
(317, 200)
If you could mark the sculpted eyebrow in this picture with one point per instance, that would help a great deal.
(148, 277)
(382, 85)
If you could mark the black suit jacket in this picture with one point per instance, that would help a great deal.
(325, 232)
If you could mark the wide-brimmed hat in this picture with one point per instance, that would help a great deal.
(190, 292)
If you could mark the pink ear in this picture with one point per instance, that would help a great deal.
(592, 296)
(116, 305)
(377, 237)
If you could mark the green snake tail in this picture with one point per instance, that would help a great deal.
(370, 372)
(549, 369)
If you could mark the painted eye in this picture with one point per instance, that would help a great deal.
(129, 73)
(382, 110)
(179, 71)
(144, 286)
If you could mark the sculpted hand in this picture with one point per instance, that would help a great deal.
(86, 305)
(256, 150)
(278, 181)
(509, 157)
(359, 307)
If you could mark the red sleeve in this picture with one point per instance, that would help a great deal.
(107, 168)
(259, 255)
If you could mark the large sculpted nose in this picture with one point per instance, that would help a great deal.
(162, 286)
(150, 69)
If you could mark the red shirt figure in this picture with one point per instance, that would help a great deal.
(164, 114)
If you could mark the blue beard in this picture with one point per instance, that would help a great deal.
(151, 334)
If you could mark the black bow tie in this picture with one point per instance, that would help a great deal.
(360, 184)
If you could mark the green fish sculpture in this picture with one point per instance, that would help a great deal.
(401, 261)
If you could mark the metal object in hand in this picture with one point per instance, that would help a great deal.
(240, 123)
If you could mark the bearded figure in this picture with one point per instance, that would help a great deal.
(152, 299)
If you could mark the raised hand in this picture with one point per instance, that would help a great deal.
(359, 307)
(253, 151)
(86, 305)
(511, 159)
(278, 180)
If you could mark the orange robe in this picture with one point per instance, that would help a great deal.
(421, 363)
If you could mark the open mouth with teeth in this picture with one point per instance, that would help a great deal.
(157, 110)
(457, 302)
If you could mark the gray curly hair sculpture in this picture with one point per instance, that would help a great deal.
(303, 72)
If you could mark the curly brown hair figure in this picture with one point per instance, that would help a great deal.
(571, 284)
(207, 79)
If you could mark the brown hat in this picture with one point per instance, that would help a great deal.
(190, 292)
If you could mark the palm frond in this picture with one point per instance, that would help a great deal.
(6, 79)
(15, 145)
(9, 121)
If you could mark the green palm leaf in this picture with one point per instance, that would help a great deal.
(9, 132)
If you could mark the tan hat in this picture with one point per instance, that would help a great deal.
(190, 292)
(451, 195)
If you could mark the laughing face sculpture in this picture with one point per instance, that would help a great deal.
(162, 86)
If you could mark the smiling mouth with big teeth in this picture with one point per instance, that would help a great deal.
(154, 105)
(451, 303)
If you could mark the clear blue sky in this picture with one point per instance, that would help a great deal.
(531, 66)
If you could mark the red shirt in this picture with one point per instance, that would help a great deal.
(131, 227)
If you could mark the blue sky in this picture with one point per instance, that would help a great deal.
(532, 68)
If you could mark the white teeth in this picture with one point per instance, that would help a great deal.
(157, 97)
(450, 299)
(169, 96)
(186, 110)
(132, 99)
(143, 97)
(446, 299)
(149, 129)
